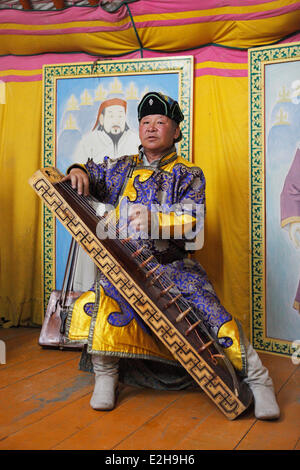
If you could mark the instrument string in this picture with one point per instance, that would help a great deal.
(132, 245)
(82, 200)
(164, 280)
(137, 248)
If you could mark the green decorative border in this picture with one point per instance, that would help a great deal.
(51, 73)
(258, 58)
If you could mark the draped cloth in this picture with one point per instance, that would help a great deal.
(100, 317)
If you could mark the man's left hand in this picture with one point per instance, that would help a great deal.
(139, 219)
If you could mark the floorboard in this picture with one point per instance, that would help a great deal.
(44, 404)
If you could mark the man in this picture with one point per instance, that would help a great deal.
(110, 135)
(117, 341)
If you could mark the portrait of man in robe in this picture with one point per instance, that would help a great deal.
(276, 200)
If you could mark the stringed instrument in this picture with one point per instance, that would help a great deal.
(134, 271)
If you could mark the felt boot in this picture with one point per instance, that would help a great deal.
(106, 369)
(261, 385)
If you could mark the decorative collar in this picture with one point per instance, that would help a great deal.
(166, 158)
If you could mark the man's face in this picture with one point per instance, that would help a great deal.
(113, 119)
(157, 132)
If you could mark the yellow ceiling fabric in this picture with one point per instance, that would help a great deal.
(154, 24)
(217, 34)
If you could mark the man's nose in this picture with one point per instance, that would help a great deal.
(151, 127)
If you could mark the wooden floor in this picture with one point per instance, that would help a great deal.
(44, 401)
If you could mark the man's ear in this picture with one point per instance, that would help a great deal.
(177, 132)
(101, 119)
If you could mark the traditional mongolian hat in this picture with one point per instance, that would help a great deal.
(157, 103)
(106, 104)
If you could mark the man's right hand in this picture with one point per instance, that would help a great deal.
(79, 180)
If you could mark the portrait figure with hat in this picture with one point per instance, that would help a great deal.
(110, 136)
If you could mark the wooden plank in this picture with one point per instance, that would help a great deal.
(6, 334)
(166, 429)
(20, 350)
(119, 423)
(214, 433)
(36, 383)
(47, 407)
(32, 363)
(280, 368)
(61, 424)
(201, 434)
(22, 347)
(283, 434)
(19, 402)
(21, 413)
(17, 345)
(26, 358)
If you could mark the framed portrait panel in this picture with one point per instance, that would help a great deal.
(274, 102)
(90, 111)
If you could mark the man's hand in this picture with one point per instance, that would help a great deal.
(139, 219)
(79, 180)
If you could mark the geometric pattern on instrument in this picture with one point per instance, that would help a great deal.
(197, 367)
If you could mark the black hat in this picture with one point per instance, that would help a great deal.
(157, 103)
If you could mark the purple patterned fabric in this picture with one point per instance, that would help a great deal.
(183, 182)
(290, 196)
(290, 202)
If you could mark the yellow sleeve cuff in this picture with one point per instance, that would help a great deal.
(76, 165)
(175, 225)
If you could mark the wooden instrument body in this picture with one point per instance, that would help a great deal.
(51, 335)
(145, 297)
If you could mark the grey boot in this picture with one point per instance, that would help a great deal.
(106, 369)
(261, 385)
